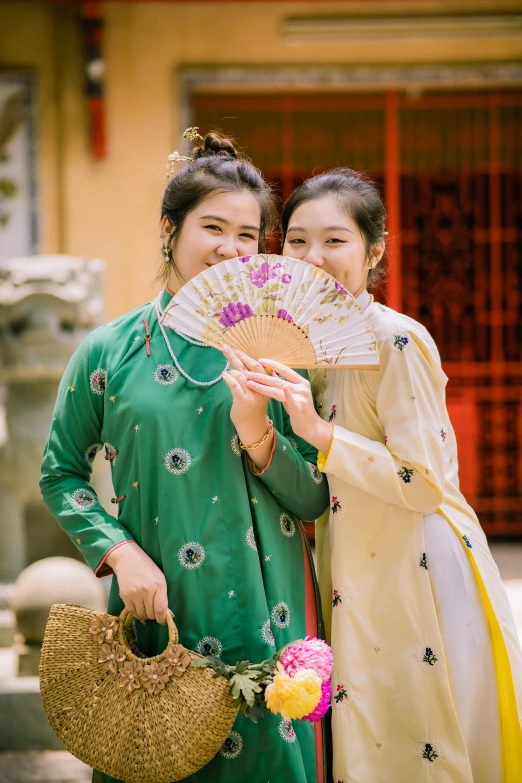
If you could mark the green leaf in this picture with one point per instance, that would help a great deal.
(255, 712)
(200, 663)
(242, 666)
(244, 685)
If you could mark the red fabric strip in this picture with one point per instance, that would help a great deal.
(251, 464)
(311, 630)
(108, 570)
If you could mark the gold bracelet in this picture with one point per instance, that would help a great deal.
(263, 439)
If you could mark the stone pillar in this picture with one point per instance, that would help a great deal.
(48, 305)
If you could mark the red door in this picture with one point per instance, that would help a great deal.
(450, 165)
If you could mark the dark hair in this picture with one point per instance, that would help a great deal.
(218, 167)
(359, 198)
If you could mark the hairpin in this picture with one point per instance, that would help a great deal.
(174, 158)
(192, 134)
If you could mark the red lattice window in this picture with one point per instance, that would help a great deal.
(450, 166)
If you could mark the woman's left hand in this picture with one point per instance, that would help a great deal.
(248, 407)
(295, 393)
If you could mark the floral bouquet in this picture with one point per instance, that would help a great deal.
(294, 682)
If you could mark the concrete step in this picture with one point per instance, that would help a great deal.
(47, 766)
(23, 723)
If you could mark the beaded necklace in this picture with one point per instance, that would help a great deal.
(159, 313)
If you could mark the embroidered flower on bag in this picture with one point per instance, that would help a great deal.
(251, 539)
(176, 660)
(166, 374)
(98, 381)
(443, 435)
(209, 645)
(280, 615)
(423, 562)
(232, 746)
(112, 656)
(430, 657)
(191, 555)
(336, 504)
(92, 451)
(177, 461)
(234, 445)
(333, 413)
(103, 627)
(467, 542)
(266, 633)
(405, 474)
(154, 677)
(341, 694)
(81, 499)
(130, 675)
(286, 730)
(336, 598)
(287, 525)
(315, 473)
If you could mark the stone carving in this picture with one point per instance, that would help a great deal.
(48, 304)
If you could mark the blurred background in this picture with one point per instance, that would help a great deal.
(423, 95)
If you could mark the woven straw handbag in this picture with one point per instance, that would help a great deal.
(140, 720)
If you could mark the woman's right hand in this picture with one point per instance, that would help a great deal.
(143, 587)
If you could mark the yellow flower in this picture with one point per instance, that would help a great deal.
(293, 697)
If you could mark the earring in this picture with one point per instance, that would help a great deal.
(166, 253)
(373, 264)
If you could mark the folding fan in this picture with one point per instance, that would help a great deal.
(275, 307)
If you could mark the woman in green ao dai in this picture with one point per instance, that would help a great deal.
(205, 527)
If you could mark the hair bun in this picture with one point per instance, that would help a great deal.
(215, 143)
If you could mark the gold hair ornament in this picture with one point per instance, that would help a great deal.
(192, 134)
(174, 158)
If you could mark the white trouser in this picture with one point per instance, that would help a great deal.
(468, 648)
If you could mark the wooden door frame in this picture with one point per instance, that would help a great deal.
(392, 80)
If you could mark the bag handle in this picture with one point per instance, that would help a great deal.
(124, 623)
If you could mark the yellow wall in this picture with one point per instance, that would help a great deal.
(110, 209)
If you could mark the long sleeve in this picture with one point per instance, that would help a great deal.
(74, 440)
(292, 474)
(407, 470)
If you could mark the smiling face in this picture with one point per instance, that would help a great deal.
(224, 225)
(320, 232)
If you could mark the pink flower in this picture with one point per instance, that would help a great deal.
(324, 703)
(312, 654)
(244, 259)
(232, 313)
(259, 277)
(286, 278)
(285, 315)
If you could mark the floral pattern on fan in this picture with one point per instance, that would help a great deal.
(275, 307)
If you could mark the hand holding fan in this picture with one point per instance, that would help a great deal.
(278, 308)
